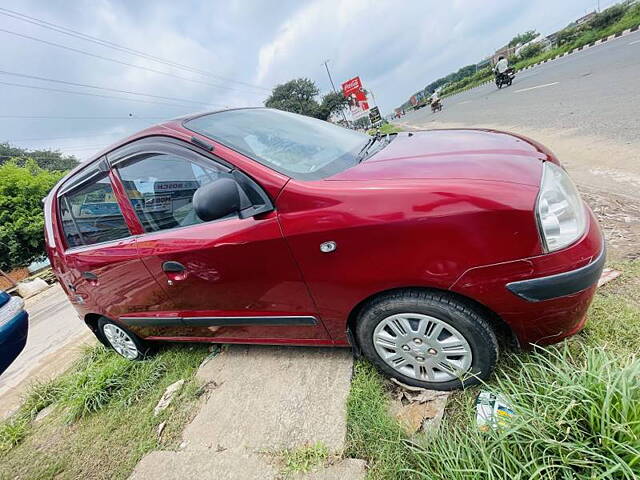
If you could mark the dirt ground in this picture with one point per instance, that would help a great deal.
(606, 172)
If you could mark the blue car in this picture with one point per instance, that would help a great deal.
(14, 325)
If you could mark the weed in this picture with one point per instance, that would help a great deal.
(305, 459)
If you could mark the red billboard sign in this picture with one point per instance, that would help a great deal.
(356, 96)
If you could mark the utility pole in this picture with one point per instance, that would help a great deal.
(325, 63)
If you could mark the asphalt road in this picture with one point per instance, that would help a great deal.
(595, 92)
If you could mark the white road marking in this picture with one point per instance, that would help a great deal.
(537, 86)
(633, 43)
(466, 101)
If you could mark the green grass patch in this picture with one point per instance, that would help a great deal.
(102, 419)
(577, 409)
(385, 129)
(305, 459)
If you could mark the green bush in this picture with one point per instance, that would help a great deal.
(21, 215)
(531, 50)
(567, 35)
(607, 17)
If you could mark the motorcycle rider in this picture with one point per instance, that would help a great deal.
(502, 66)
(435, 100)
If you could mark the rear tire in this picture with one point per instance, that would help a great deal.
(125, 343)
(432, 340)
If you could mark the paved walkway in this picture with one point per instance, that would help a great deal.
(263, 400)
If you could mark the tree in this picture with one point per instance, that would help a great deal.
(22, 189)
(46, 159)
(607, 17)
(331, 103)
(297, 96)
(523, 38)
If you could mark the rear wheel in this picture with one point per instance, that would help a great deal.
(123, 341)
(428, 339)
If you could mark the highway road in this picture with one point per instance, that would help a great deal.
(586, 108)
(595, 92)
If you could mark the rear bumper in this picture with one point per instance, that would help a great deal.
(542, 299)
(13, 338)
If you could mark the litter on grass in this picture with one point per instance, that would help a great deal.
(417, 409)
(607, 275)
(492, 411)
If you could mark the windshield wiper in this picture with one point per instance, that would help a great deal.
(362, 154)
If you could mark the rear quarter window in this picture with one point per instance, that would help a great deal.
(90, 214)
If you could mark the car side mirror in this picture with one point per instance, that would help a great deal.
(217, 199)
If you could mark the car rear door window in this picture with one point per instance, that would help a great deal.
(161, 188)
(90, 214)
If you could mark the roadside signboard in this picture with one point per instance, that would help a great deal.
(374, 115)
(356, 97)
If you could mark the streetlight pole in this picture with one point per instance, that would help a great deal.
(325, 63)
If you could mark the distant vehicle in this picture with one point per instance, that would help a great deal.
(14, 325)
(260, 226)
(505, 79)
(436, 105)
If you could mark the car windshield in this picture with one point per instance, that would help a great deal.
(300, 147)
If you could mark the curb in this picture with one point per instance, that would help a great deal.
(592, 44)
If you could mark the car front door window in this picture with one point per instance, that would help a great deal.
(161, 188)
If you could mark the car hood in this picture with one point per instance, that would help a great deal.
(450, 154)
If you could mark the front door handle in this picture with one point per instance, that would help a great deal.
(173, 267)
(175, 271)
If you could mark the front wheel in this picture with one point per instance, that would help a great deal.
(431, 340)
(123, 341)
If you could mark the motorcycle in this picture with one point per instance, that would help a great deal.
(505, 79)
(436, 106)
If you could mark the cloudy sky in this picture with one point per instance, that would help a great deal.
(157, 59)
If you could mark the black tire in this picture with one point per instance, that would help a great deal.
(143, 349)
(463, 316)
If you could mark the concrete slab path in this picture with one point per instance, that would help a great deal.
(260, 401)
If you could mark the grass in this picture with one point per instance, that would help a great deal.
(577, 409)
(384, 129)
(305, 459)
(102, 421)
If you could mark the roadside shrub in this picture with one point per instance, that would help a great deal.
(531, 50)
(577, 416)
(567, 35)
(607, 17)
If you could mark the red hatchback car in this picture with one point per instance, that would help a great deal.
(261, 226)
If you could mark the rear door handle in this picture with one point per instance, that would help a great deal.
(92, 277)
(173, 267)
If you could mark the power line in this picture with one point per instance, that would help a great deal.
(96, 87)
(63, 138)
(94, 95)
(56, 117)
(106, 43)
(148, 69)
